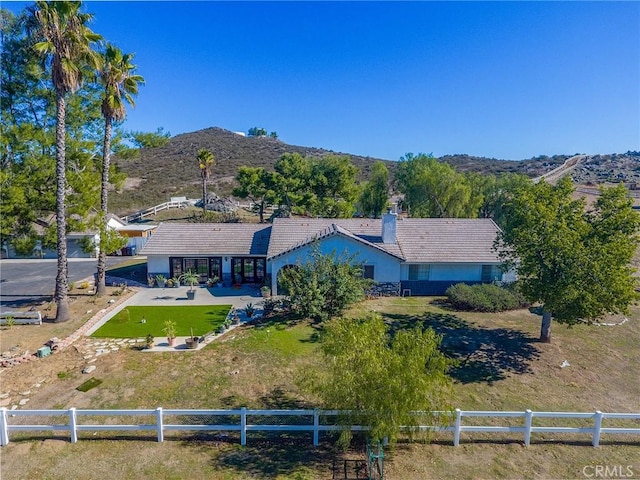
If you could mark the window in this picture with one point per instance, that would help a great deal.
(215, 267)
(368, 271)
(419, 272)
(200, 266)
(176, 267)
(490, 273)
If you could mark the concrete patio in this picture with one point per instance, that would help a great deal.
(236, 297)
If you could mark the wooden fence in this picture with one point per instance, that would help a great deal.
(155, 209)
(244, 420)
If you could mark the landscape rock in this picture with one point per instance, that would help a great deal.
(89, 369)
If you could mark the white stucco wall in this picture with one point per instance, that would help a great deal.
(158, 264)
(386, 267)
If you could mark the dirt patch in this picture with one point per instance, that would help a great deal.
(38, 373)
(132, 183)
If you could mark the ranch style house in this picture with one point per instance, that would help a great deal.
(412, 256)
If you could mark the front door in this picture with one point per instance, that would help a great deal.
(198, 265)
(248, 270)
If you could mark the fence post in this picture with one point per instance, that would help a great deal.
(596, 430)
(160, 424)
(316, 423)
(527, 427)
(73, 425)
(4, 428)
(456, 431)
(243, 426)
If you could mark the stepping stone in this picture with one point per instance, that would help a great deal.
(23, 402)
(25, 393)
(3, 396)
(87, 357)
(89, 369)
(92, 360)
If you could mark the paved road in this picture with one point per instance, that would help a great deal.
(26, 281)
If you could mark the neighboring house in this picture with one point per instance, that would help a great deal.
(137, 236)
(114, 222)
(76, 242)
(414, 256)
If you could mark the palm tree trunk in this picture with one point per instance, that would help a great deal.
(204, 194)
(62, 278)
(545, 328)
(101, 287)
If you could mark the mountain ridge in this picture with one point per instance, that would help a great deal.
(171, 170)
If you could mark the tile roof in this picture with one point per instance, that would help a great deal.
(209, 239)
(332, 230)
(292, 232)
(447, 240)
(419, 240)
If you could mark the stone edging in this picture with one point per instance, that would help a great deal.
(80, 332)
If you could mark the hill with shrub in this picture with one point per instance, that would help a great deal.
(158, 173)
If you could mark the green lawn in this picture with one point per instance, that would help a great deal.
(128, 322)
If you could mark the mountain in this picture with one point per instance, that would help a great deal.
(171, 170)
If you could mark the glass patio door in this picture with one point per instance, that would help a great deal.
(198, 265)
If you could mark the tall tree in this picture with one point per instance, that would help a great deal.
(293, 175)
(495, 191)
(380, 380)
(65, 41)
(333, 188)
(375, 192)
(257, 185)
(435, 189)
(205, 161)
(120, 84)
(575, 262)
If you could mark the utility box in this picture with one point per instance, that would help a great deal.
(43, 352)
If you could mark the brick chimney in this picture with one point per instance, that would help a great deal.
(389, 227)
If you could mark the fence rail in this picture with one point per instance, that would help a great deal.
(161, 417)
(155, 209)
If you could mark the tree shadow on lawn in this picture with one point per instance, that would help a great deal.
(482, 354)
(268, 455)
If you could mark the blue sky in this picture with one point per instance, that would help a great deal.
(499, 79)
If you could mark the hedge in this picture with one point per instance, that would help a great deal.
(485, 297)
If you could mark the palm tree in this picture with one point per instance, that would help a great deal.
(120, 85)
(64, 39)
(205, 160)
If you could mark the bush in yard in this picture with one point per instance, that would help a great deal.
(379, 379)
(486, 297)
(324, 286)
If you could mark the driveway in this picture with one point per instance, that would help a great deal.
(28, 281)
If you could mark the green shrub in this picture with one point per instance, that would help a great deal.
(486, 297)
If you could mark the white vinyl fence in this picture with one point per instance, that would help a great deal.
(244, 420)
(176, 202)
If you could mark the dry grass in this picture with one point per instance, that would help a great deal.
(504, 368)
